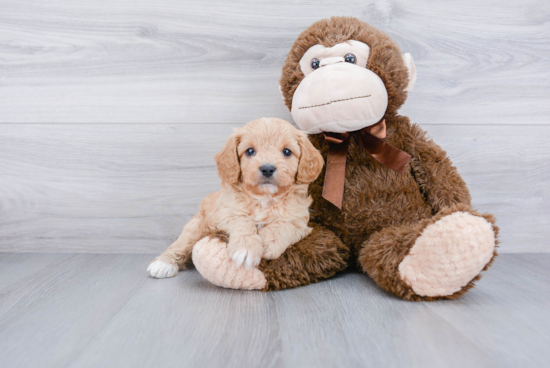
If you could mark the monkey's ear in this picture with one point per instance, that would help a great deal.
(409, 63)
(311, 162)
(227, 161)
(281, 92)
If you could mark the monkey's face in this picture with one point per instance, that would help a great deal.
(338, 94)
(342, 75)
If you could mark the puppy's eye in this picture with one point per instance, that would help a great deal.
(287, 152)
(315, 63)
(349, 58)
(250, 152)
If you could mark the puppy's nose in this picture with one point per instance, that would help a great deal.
(267, 170)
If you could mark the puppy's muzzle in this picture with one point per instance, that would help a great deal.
(267, 170)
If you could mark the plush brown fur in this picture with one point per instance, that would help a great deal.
(322, 255)
(383, 212)
(376, 197)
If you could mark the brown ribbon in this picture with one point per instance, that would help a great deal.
(371, 139)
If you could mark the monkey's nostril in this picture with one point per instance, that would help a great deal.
(267, 170)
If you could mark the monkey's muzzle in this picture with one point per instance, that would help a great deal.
(338, 98)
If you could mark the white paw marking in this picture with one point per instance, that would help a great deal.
(239, 257)
(242, 256)
(161, 270)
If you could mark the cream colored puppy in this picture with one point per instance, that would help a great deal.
(263, 204)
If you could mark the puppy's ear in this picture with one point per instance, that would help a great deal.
(311, 162)
(227, 161)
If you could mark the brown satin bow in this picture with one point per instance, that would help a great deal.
(371, 139)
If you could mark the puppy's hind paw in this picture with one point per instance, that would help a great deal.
(161, 270)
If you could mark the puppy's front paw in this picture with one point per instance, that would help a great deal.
(272, 247)
(160, 269)
(273, 250)
(247, 250)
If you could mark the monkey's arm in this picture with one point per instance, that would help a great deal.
(434, 172)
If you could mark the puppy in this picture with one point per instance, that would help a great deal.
(263, 204)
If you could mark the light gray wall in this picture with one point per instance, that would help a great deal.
(111, 111)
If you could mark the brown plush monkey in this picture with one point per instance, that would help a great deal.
(389, 199)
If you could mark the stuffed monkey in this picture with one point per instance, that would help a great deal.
(389, 200)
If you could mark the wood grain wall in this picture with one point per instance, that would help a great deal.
(111, 111)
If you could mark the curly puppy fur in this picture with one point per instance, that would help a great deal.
(383, 212)
(262, 210)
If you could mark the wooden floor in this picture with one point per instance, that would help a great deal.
(99, 310)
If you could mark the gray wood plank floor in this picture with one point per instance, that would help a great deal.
(93, 310)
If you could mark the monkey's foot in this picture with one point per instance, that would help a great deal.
(448, 254)
(211, 259)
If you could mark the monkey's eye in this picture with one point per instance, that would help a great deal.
(287, 152)
(250, 152)
(315, 64)
(349, 58)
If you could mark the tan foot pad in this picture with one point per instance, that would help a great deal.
(448, 255)
(211, 259)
